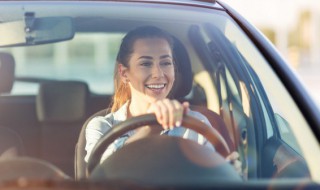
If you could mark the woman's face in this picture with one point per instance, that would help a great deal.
(150, 74)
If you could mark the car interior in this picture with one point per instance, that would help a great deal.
(59, 106)
(65, 106)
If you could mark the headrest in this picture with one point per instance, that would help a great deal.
(7, 67)
(62, 101)
(184, 76)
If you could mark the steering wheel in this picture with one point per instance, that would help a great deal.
(211, 134)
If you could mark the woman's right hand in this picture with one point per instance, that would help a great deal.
(169, 113)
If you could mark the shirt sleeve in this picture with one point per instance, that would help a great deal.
(95, 129)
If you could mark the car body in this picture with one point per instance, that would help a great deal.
(61, 57)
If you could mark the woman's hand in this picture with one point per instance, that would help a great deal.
(233, 158)
(169, 113)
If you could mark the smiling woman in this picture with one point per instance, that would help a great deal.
(144, 77)
(179, 63)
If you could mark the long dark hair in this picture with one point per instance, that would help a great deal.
(122, 91)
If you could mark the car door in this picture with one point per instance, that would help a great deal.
(261, 135)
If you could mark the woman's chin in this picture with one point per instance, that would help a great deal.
(157, 95)
(155, 98)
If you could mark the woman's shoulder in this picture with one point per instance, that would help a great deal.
(196, 114)
(101, 122)
(199, 116)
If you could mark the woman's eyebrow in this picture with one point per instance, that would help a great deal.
(150, 57)
(145, 57)
(165, 56)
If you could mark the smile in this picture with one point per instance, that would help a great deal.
(155, 86)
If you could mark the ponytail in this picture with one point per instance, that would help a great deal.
(122, 92)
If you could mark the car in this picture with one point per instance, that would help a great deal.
(57, 60)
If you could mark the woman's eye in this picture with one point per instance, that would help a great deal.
(167, 63)
(146, 64)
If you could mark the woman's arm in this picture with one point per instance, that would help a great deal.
(95, 129)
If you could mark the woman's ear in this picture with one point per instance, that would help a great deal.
(122, 70)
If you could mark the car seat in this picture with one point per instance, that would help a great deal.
(28, 169)
(7, 70)
(11, 144)
(80, 164)
(61, 109)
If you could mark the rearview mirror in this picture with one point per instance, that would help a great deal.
(33, 31)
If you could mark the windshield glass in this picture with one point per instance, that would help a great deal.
(88, 57)
(218, 68)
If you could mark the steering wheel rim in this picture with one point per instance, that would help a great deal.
(189, 122)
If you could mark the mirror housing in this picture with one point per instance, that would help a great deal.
(34, 31)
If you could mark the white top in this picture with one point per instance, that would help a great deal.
(100, 125)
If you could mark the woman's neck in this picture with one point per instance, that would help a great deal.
(136, 108)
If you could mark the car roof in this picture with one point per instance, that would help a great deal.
(14, 12)
(202, 3)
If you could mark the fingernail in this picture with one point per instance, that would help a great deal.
(178, 123)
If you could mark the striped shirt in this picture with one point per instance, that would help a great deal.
(100, 125)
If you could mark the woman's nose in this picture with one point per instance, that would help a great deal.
(157, 71)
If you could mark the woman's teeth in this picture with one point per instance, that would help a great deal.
(155, 86)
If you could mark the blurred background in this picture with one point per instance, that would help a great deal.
(293, 26)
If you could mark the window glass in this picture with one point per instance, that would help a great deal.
(88, 57)
(289, 121)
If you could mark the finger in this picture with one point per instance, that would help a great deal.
(175, 112)
(233, 156)
(185, 107)
(170, 111)
(178, 113)
(154, 108)
(238, 166)
(163, 111)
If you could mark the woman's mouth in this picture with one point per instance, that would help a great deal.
(155, 86)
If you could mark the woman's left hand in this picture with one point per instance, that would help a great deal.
(233, 158)
(169, 113)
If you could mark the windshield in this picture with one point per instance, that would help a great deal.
(219, 69)
(88, 57)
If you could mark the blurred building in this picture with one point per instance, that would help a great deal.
(300, 45)
(293, 26)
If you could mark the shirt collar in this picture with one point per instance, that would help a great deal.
(121, 113)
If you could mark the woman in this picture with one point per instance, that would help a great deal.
(144, 76)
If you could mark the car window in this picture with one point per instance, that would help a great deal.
(281, 115)
(89, 57)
